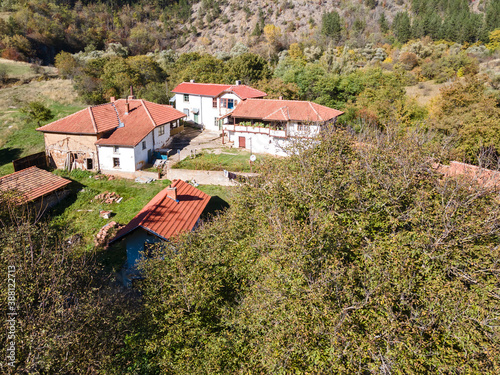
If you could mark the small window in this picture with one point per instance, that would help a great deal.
(161, 130)
(186, 111)
(143, 145)
(116, 162)
(116, 149)
(223, 103)
(230, 103)
(214, 102)
(186, 97)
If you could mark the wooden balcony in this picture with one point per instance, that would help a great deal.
(255, 130)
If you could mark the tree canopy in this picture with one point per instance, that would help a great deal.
(353, 255)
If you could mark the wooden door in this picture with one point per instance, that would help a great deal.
(242, 143)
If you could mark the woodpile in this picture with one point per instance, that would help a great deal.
(107, 197)
(102, 238)
(108, 177)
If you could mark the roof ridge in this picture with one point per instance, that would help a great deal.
(315, 111)
(94, 125)
(147, 112)
(117, 114)
(204, 83)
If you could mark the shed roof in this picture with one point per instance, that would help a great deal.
(165, 217)
(284, 110)
(214, 90)
(32, 183)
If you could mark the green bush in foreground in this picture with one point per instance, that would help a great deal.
(342, 259)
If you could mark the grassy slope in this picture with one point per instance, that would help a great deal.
(18, 138)
(22, 70)
(78, 215)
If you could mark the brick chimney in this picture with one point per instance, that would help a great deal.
(131, 96)
(112, 99)
(280, 98)
(127, 107)
(172, 193)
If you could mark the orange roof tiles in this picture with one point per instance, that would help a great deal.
(283, 110)
(32, 183)
(138, 122)
(246, 92)
(213, 89)
(165, 217)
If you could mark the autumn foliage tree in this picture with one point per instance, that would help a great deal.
(469, 113)
(69, 319)
(352, 255)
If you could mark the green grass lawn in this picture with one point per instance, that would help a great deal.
(232, 160)
(19, 138)
(18, 70)
(78, 215)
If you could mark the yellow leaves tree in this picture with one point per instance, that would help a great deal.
(494, 40)
(273, 35)
(295, 52)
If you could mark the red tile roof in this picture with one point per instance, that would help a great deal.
(142, 117)
(32, 183)
(283, 110)
(213, 89)
(165, 217)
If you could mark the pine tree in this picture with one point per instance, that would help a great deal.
(402, 27)
(330, 25)
(384, 25)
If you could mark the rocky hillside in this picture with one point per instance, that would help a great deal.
(298, 20)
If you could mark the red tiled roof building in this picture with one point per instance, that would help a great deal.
(34, 185)
(90, 139)
(173, 210)
(204, 103)
(272, 125)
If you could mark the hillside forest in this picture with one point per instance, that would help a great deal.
(352, 255)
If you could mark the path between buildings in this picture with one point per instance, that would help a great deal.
(189, 142)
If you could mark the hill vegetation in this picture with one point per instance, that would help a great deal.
(339, 259)
(353, 255)
(38, 30)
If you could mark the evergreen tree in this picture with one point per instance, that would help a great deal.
(384, 25)
(402, 27)
(492, 18)
(331, 25)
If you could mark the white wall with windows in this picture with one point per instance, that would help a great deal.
(142, 151)
(162, 135)
(117, 158)
(204, 110)
(130, 159)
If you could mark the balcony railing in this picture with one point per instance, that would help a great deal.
(255, 129)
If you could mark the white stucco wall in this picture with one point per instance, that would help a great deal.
(140, 155)
(133, 158)
(308, 130)
(206, 112)
(194, 102)
(160, 140)
(125, 154)
(260, 143)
